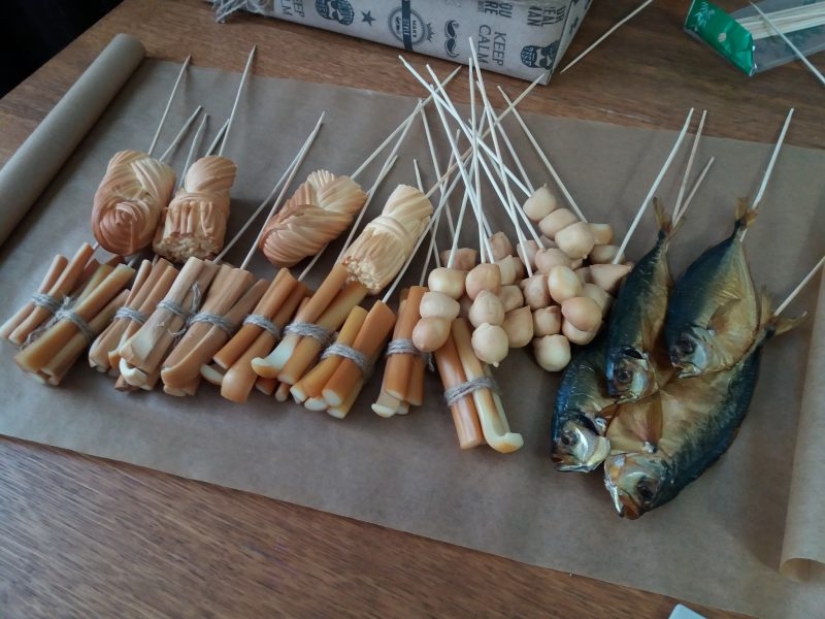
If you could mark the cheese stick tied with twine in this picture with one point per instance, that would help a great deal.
(212, 327)
(143, 353)
(463, 408)
(62, 362)
(164, 275)
(55, 269)
(491, 415)
(319, 335)
(239, 379)
(109, 339)
(356, 366)
(308, 390)
(47, 305)
(71, 321)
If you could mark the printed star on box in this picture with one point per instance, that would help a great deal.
(366, 16)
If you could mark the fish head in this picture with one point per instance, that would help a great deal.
(630, 375)
(693, 351)
(636, 482)
(579, 446)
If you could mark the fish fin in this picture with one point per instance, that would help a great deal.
(745, 216)
(765, 308)
(783, 325)
(718, 322)
(655, 422)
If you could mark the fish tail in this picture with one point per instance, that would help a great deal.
(771, 324)
(745, 216)
(783, 325)
(663, 221)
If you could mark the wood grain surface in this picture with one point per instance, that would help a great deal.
(84, 537)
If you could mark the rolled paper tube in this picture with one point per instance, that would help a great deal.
(308, 313)
(62, 287)
(308, 348)
(493, 422)
(399, 366)
(215, 337)
(109, 338)
(313, 382)
(167, 274)
(278, 291)
(62, 362)
(43, 154)
(464, 412)
(55, 269)
(370, 342)
(38, 354)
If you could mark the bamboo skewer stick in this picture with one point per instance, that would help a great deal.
(169, 105)
(697, 184)
(774, 156)
(179, 136)
(653, 188)
(808, 64)
(783, 306)
(598, 41)
(677, 215)
(543, 157)
(244, 77)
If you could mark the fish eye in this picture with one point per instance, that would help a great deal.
(623, 376)
(645, 491)
(686, 346)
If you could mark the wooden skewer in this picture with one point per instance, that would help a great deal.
(598, 41)
(169, 104)
(370, 341)
(244, 77)
(653, 188)
(774, 156)
(465, 416)
(799, 287)
(311, 385)
(817, 74)
(55, 269)
(240, 378)
(179, 136)
(696, 185)
(677, 213)
(493, 422)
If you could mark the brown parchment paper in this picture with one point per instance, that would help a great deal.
(719, 543)
(803, 551)
(55, 139)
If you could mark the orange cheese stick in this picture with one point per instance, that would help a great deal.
(55, 269)
(63, 287)
(370, 342)
(313, 382)
(276, 295)
(397, 372)
(39, 353)
(306, 351)
(309, 313)
(464, 412)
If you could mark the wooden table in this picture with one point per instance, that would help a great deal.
(84, 537)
